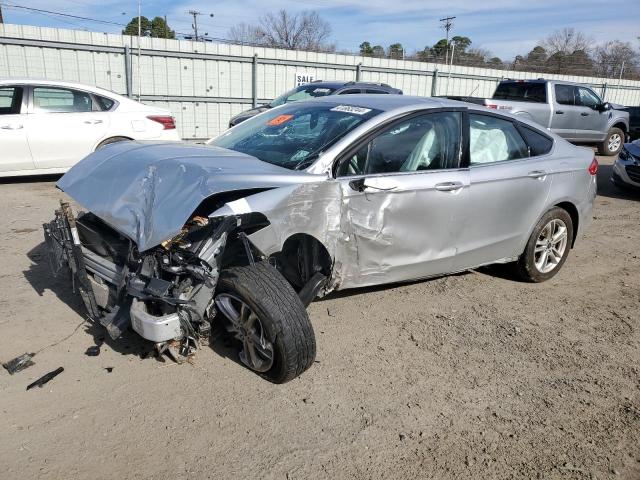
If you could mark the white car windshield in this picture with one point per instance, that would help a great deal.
(293, 136)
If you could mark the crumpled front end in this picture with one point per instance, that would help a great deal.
(164, 294)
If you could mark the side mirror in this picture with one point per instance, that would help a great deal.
(603, 107)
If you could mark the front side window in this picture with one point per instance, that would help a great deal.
(493, 139)
(353, 91)
(294, 136)
(565, 94)
(10, 100)
(424, 142)
(303, 92)
(587, 98)
(61, 100)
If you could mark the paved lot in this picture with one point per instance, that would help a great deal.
(469, 376)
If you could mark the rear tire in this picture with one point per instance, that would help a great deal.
(279, 319)
(612, 143)
(543, 256)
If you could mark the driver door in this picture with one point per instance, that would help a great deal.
(403, 200)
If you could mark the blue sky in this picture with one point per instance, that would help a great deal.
(504, 27)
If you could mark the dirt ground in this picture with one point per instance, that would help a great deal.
(468, 376)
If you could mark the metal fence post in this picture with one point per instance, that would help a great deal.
(254, 81)
(127, 71)
(358, 71)
(604, 90)
(434, 83)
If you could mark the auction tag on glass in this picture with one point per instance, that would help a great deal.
(279, 120)
(350, 109)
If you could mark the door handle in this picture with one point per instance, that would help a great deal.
(537, 174)
(11, 127)
(584, 114)
(560, 112)
(448, 186)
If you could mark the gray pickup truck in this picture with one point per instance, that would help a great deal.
(572, 111)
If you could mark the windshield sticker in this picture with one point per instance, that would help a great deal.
(350, 109)
(279, 120)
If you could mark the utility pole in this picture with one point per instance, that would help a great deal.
(447, 25)
(195, 14)
(1, 19)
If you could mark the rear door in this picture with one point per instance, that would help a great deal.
(565, 113)
(404, 199)
(510, 179)
(13, 134)
(64, 126)
(592, 124)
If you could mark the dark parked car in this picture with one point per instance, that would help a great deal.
(634, 122)
(312, 90)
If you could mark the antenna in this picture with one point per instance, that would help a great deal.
(447, 25)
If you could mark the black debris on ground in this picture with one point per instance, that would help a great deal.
(45, 378)
(19, 363)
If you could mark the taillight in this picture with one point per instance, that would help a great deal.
(593, 168)
(491, 105)
(167, 122)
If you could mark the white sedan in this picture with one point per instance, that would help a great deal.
(46, 126)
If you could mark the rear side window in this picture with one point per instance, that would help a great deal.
(493, 140)
(565, 94)
(104, 103)
(539, 144)
(521, 92)
(10, 100)
(61, 100)
(375, 91)
(353, 91)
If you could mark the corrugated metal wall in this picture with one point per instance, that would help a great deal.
(204, 84)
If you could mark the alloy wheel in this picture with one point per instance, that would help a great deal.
(244, 324)
(550, 246)
(615, 140)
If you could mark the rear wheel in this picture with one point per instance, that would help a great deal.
(265, 315)
(612, 143)
(548, 247)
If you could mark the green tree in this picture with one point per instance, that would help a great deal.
(132, 27)
(378, 51)
(396, 51)
(461, 44)
(366, 50)
(440, 48)
(160, 29)
(156, 28)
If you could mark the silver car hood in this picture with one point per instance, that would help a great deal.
(147, 191)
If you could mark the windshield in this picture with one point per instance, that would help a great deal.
(293, 136)
(303, 92)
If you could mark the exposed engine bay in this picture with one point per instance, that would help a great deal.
(166, 294)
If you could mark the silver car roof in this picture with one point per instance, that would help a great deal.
(388, 102)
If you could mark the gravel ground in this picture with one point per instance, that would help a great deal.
(467, 376)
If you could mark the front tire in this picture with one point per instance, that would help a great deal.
(268, 319)
(612, 143)
(548, 247)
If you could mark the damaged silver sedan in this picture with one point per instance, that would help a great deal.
(305, 199)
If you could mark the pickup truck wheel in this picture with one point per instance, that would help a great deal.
(548, 247)
(612, 143)
(268, 319)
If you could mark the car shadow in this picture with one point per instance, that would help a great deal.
(30, 179)
(606, 188)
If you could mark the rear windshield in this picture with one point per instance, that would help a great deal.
(303, 92)
(293, 136)
(521, 92)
